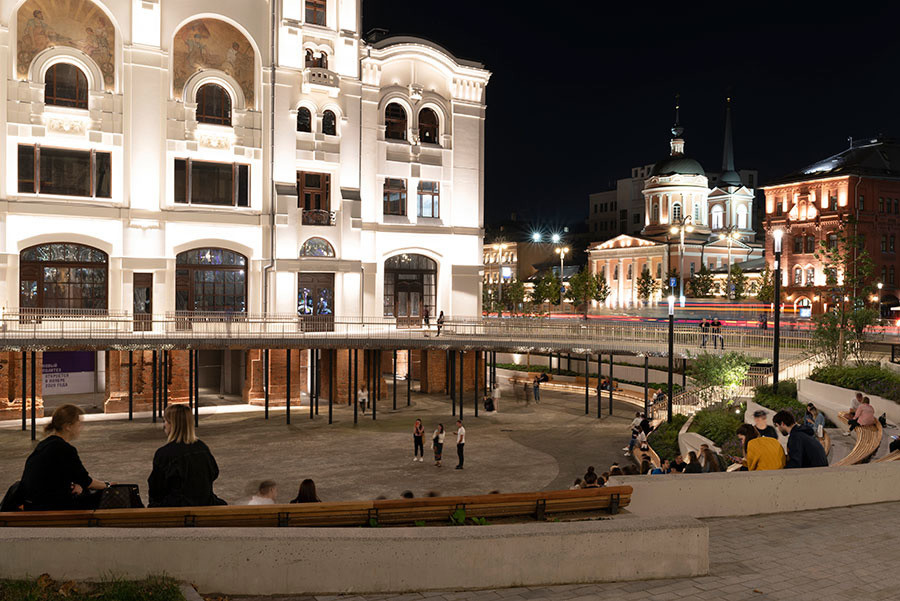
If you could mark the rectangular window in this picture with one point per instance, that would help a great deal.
(891, 244)
(313, 191)
(883, 243)
(779, 207)
(315, 12)
(832, 203)
(896, 206)
(395, 197)
(832, 241)
(63, 172)
(798, 245)
(881, 205)
(429, 199)
(862, 202)
(208, 183)
(810, 244)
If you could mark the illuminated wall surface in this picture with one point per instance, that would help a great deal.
(146, 130)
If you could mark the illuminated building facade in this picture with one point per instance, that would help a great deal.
(151, 166)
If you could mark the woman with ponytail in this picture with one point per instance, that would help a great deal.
(54, 477)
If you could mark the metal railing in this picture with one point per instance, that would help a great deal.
(318, 217)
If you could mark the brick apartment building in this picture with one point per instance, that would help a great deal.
(809, 205)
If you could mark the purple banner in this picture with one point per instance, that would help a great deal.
(68, 362)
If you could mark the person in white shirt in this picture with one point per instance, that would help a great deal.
(268, 490)
(460, 443)
(495, 396)
(437, 443)
(363, 398)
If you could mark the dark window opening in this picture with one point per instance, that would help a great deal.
(315, 12)
(211, 279)
(66, 85)
(63, 276)
(318, 60)
(410, 286)
(395, 197)
(329, 123)
(395, 122)
(428, 126)
(207, 183)
(304, 120)
(313, 191)
(64, 172)
(213, 105)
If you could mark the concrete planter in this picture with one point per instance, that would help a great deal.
(833, 399)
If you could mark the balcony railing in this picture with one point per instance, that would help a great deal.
(318, 217)
(320, 77)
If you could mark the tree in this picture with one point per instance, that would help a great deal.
(582, 288)
(703, 283)
(546, 290)
(487, 298)
(515, 293)
(738, 283)
(724, 373)
(603, 291)
(766, 290)
(647, 285)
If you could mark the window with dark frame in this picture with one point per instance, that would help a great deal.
(779, 208)
(63, 276)
(304, 120)
(64, 172)
(881, 205)
(810, 244)
(211, 279)
(213, 105)
(317, 60)
(428, 126)
(833, 203)
(66, 85)
(329, 123)
(395, 197)
(313, 191)
(798, 245)
(798, 276)
(883, 243)
(862, 202)
(429, 199)
(832, 241)
(395, 122)
(315, 12)
(215, 184)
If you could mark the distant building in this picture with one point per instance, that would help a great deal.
(717, 223)
(809, 205)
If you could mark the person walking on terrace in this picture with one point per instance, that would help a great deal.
(54, 477)
(803, 448)
(440, 323)
(418, 441)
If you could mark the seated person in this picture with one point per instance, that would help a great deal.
(678, 464)
(693, 465)
(762, 427)
(266, 493)
(814, 418)
(864, 415)
(664, 468)
(760, 452)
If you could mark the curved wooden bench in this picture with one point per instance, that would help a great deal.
(347, 513)
(868, 439)
(825, 441)
(893, 456)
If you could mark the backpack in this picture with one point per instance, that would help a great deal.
(882, 419)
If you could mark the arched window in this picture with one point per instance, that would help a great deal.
(616, 272)
(742, 217)
(810, 276)
(630, 272)
(698, 220)
(676, 211)
(213, 105)
(717, 215)
(66, 85)
(317, 247)
(410, 286)
(659, 271)
(63, 276)
(798, 276)
(329, 123)
(428, 126)
(395, 122)
(655, 212)
(211, 279)
(304, 119)
(316, 59)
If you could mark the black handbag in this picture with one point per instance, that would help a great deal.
(120, 496)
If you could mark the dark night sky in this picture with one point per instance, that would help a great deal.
(574, 104)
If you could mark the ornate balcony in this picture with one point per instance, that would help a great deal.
(318, 217)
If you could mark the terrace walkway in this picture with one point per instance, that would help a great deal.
(55, 331)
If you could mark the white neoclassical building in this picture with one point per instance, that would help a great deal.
(240, 156)
(715, 225)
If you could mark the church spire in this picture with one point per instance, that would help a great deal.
(677, 143)
(729, 176)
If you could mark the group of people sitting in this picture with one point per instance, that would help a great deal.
(183, 471)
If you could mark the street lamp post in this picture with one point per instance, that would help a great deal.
(499, 248)
(777, 235)
(880, 286)
(679, 227)
(730, 235)
(561, 251)
(671, 354)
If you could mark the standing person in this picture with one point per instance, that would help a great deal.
(460, 443)
(363, 398)
(183, 469)
(54, 477)
(495, 396)
(440, 323)
(418, 441)
(635, 428)
(762, 428)
(760, 452)
(678, 464)
(717, 333)
(307, 493)
(426, 318)
(803, 448)
(536, 387)
(704, 332)
(437, 443)
(266, 493)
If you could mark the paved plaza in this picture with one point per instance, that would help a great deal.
(848, 553)
(521, 448)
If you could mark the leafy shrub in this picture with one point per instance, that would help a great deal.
(719, 425)
(727, 370)
(664, 439)
(870, 379)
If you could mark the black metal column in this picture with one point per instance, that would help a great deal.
(130, 385)
(33, 395)
(332, 359)
(355, 379)
(196, 388)
(153, 372)
(376, 381)
(24, 390)
(287, 388)
(409, 376)
(462, 382)
(266, 381)
(587, 384)
(190, 381)
(611, 383)
(312, 382)
(477, 400)
(318, 377)
(452, 384)
(165, 382)
(646, 385)
(395, 379)
(599, 391)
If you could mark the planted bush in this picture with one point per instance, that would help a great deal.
(869, 379)
(719, 425)
(664, 439)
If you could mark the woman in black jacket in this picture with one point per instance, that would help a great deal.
(54, 477)
(184, 469)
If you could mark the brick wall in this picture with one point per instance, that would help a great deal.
(11, 385)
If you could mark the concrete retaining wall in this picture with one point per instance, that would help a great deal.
(832, 399)
(751, 493)
(273, 561)
(626, 372)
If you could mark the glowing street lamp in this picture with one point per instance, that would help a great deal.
(679, 227)
(730, 235)
(535, 236)
(561, 251)
(671, 354)
(555, 238)
(880, 286)
(777, 235)
(499, 248)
